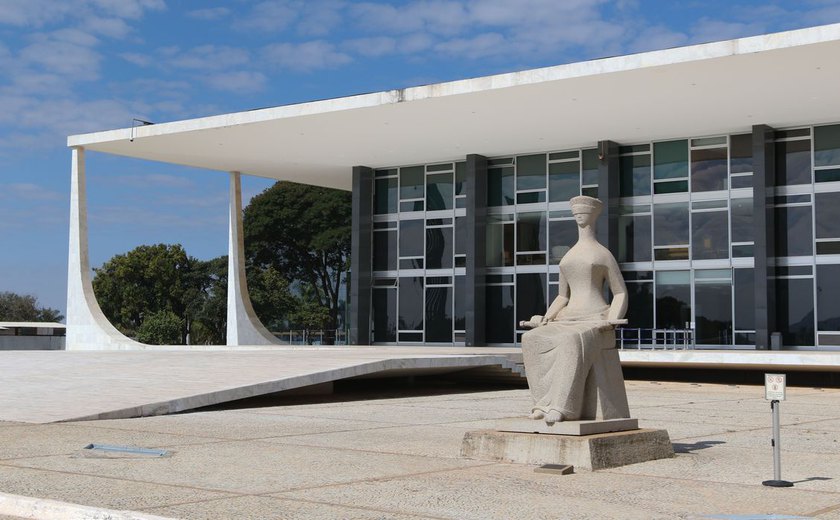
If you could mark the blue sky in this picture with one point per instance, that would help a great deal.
(74, 66)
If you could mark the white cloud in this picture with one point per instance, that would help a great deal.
(57, 55)
(271, 16)
(29, 192)
(479, 46)
(211, 57)
(37, 13)
(304, 57)
(106, 26)
(135, 58)
(241, 81)
(210, 13)
(374, 46)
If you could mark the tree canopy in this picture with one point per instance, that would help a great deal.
(24, 307)
(303, 232)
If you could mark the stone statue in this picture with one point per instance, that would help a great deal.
(570, 357)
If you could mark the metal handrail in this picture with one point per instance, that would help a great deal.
(648, 338)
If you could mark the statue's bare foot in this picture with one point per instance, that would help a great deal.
(553, 416)
(536, 415)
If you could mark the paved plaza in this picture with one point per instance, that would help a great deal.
(392, 451)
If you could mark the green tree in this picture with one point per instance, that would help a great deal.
(161, 328)
(271, 297)
(304, 233)
(24, 307)
(206, 301)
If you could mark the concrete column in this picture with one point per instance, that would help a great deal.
(87, 326)
(476, 188)
(764, 221)
(608, 192)
(361, 256)
(243, 325)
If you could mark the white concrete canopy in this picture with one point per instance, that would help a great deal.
(784, 79)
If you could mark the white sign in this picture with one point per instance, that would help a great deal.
(774, 387)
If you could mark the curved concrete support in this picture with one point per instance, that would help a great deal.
(243, 325)
(87, 326)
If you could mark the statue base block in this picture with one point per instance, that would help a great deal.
(590, 427)
(585, 452)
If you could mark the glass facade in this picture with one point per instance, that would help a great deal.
(686, 239)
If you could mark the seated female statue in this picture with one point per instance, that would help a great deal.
(560, 349)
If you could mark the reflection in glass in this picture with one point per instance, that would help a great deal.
(742, 220)
(795, 311)
(793, 231)
(439, 315)
(530, 172)
(562, 235)
(827, 208)
(385, 200)
(673, 299)
(499, 242)
(460, 307)
(640, 305)
(713, 312)
(384, 315)
(530, 295)
(460, 235)
(439, 248)
(670, 224)
(589, 170)
(439, 192)
(634, 172)
(744, 285)
(740, 153)
(384, 250)
(710, 236)
(460, 178)
(411, 182)
(670, 159)
(563, 181)
(828, 297)
(499, 312)
(827, 145)
(411, 238)
(670, 187)
(634, 238)
(530, 231)
(411, 303)
(708, 169)
(500, 190)
(793, 162)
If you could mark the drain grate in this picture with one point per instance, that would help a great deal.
(124, 451)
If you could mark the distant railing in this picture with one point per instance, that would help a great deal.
(312, 337)
(666, 339)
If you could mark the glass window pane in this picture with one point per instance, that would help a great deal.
(460, 178)
(530, 197)
(411, 303)
(439, 315)
(385, 250)
(530, 231)
(499, 312)
(439, 252)
(439, 192)
(634, 238)
(589, 171)
(793, 231)
(827, 145)
(634, 172)
(460, 303)
(827, 208)
(670, 187)
(670, 223)
(412, 180)
(741, 181)
(673, 299)
(384, 315)
(499, 242)
(742, 221)
(795, 311)
(708, 169)
(530, 172)
(713, 313)
(640, 305)
(562, 235)
(530, 296)
(710, 235)
(461, 235)
(411, 238)
(740, 152)
(385, 200)
(744, 284)
(500, 190)
(563, 181)
(670, 159)
(793, 162)
(828, 301)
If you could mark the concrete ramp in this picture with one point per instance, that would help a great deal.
(53, 386)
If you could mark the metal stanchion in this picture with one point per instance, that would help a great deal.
(774, 391)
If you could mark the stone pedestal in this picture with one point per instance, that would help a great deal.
(589, 427)
(584, 452)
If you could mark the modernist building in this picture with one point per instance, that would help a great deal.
(719, 167)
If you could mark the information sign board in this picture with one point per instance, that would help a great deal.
(774, 387)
